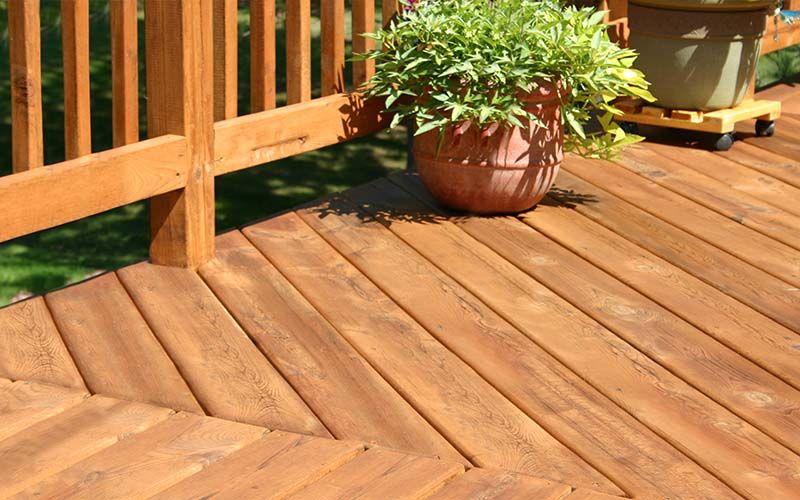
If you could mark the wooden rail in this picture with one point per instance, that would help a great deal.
(193, 126)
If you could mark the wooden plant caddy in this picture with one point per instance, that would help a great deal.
(719, 123)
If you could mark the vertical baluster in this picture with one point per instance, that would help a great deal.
(180, 100)
(363, 22)
(298, 51)
(332, 18)
(26, 85)
(124, 72)
(75, 45)
(390, 8)
(262, 55)
(225, 59)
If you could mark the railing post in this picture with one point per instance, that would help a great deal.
(180, 93)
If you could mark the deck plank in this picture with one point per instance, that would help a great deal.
(765, 162)
(381, 473)
(60, 441)
(271, 468)
(150, 461)
(496, 485)
(32, 349)
(774, 348)
(751, 182)
(23, 404)
(109, 339)
(440, 386)
(665, 403)
(226, 372)
(585, 420)
(714, 195)
(772, 256)
(347, 394)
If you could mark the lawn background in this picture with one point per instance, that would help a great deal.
(56, 257)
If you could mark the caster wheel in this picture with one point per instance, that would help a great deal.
(629, 127)
(765, 128)
(723, 142)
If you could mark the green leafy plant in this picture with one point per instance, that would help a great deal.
(447, 62)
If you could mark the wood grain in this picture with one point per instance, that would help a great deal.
(652, 394)
(436, 382)
(734, 204)
(332, 61)
(380, 473)
(766, 188)
(24, 45)
(124, 71)
(771, 346)
(777, 166)
(226, 64)
(180, 95)
(150, 461)
(495, 485)
(75, 52)
(31, 347)
(772, 256)
(298, 51)
(90, 184)
(226, 372)
(23, 404)
(109, 341)
(347, 394)
(65, 439)
(271, 468)
(363, 16)
(262, 55)
(268, 136)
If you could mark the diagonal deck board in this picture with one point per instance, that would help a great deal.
(440, 386)
(274, 467)
(737, 177)
(651, 394)
(774, 348)
(62, 440)
(347, 394)
(715, 195)
(31, 348)
(149, 461)
(565, 404)
(108, 339)
(227, 373)
(770, 255)
(23, 404)
(485, 485)
(765, 162)
(382, 474)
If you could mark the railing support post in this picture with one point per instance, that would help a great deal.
(180, 91)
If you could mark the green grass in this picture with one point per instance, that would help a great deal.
(59, 256)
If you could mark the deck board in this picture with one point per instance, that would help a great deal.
(437, 383)
(637, 334)
(348, 395)
(228, 374)
(653, 395)
(108, 340)
(31, 348)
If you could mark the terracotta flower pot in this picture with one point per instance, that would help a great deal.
(498, 169)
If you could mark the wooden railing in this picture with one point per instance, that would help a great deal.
(193, 130)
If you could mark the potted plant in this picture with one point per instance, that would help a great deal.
(492, 86)
(698, 54)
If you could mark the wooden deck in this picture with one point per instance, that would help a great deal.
(636, 335)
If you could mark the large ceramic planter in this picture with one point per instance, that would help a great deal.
(496, 170)
(697, 54)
